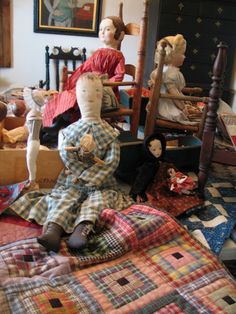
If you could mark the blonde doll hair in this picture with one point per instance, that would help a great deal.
(175, 44)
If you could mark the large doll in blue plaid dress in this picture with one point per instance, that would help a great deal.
(87, 185)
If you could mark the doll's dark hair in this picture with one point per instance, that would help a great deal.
(118, 24)
(146, 145)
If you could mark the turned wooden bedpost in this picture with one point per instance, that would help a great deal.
(155, 93)
(140, 70)
(211, 118)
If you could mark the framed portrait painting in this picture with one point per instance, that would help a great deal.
(67, 17)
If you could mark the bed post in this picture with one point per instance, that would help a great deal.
(140, 70)
(211, 117)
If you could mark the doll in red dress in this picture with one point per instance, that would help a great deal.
(62, 109)
(180, 183)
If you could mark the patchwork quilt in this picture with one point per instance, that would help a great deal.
(214, 222)
(9, 193)
(140, 261)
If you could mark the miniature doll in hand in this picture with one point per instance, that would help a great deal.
(180, 183)
(63, 108)
(154, 149)
(85, 152)
(173, 82)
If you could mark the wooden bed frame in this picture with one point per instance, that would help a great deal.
(209, 153)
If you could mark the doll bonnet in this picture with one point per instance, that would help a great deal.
(146, 143)
(175, 44)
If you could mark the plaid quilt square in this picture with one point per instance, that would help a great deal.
(63, 294)
(122, 283)
(181, 260)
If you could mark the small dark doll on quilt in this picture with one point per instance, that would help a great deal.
(159, 182)
(154, 147)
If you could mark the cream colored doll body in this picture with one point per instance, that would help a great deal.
(35, 100)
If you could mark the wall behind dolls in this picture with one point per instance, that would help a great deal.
(28, 62)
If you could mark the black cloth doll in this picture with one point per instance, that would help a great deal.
(154, 147)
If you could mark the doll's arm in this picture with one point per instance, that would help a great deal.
(178, 103)
(145, 175)
(87, 155)
(70, 157)
(119, 72)
(192, 90)
(33, 145)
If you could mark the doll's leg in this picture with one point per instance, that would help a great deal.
(62, 207)
(51, 237)
(33, 145)
(89, 212)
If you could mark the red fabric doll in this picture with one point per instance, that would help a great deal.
(180, 183)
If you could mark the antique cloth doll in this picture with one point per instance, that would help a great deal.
(73, 206)
(107, 60)
(154, 147)
(173, 81)
(180, 183)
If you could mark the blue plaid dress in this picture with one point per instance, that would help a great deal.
(70, 203)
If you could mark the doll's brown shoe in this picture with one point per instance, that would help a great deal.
(51, 239)
(79, 237)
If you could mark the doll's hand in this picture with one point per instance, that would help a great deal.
(141, 199)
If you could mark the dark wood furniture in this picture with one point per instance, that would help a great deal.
(5, 34)
(209, 152)
(60, 58)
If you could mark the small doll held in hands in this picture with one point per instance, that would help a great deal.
(85, 152)
(154, 147)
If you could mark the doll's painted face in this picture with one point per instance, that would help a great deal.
(89, 92)
(107, 32)
(155, 148)
(171, 172)
(178, 56)
(89, 96)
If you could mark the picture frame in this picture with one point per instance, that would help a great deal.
(67, 17)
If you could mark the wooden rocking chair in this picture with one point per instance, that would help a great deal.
(151, 120)
(59, 56)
